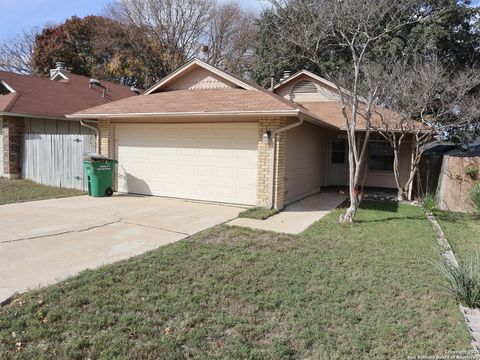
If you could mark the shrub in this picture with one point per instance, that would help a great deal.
(475, 196)
(472, 171)
(429, 203)
(463, 281)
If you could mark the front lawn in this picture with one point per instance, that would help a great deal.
(14, 191)
(367, 291)
(258, 213)
(462, 231)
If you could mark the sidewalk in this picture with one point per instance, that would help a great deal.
(296, 217)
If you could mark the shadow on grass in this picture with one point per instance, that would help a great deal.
(359, 221)
(385, 206)
(376, 205)
(455, 217)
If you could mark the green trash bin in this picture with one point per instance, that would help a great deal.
(99, 171)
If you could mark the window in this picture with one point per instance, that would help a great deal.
(380, 156)
(338, 151)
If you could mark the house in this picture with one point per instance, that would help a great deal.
(31, 105)
(204, 134)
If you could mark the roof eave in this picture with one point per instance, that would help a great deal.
(33, 116)
(317, 120)
(292, 112)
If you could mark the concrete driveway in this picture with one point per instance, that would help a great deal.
(44, 241)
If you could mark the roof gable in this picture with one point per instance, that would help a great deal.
(305, 86)
(198, 78)
(197, 74)
(308, 74)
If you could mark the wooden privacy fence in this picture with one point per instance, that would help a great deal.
(455, 183)
(56, 159)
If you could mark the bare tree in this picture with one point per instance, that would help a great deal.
(355, 25)
(16, 52)
(425, 101)
(166, 32)
(229, 38)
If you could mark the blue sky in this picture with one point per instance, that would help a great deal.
(16, 15)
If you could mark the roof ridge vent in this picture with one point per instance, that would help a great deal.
(286, 75)
(5, 88)
(135, 90)
(95, 82)
(59, 73)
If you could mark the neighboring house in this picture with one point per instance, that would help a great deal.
(32, 107)
(201, 133)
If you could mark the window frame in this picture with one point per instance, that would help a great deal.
(333, 151)
(387, 166)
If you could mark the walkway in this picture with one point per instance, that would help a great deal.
(296, 217)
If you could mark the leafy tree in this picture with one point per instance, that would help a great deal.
(454, 35)
(90, 46)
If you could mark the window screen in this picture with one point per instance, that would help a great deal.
(380, 156)
(338, 151)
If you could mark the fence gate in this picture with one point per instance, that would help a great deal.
(56, 159)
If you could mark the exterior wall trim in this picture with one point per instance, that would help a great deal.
(36, 116)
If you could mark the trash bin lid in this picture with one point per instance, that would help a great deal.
(95, 157)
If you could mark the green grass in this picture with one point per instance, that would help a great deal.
(462, 231)
(336, 291)
(259, 213)
(15, 191)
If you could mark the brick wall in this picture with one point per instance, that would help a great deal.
(104, 129)
(264, 171)
(13, 128)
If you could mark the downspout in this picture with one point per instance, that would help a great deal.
(97, 135)
(273, 158)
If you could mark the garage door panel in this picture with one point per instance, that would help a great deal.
(198, 161)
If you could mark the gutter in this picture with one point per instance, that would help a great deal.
(186, 113)
(273, 158)
(97, 135)
(47, 117)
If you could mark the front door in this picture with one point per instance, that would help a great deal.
(337, 174)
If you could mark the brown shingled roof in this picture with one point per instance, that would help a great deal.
(38, 96)
(331, 112)
(192, 101)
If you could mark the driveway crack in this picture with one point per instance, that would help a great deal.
(120, 220)
(155, 227)
(62, 232)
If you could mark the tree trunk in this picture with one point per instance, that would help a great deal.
(349, 216)
(351, 212)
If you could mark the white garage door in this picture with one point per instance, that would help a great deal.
(213, 162)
